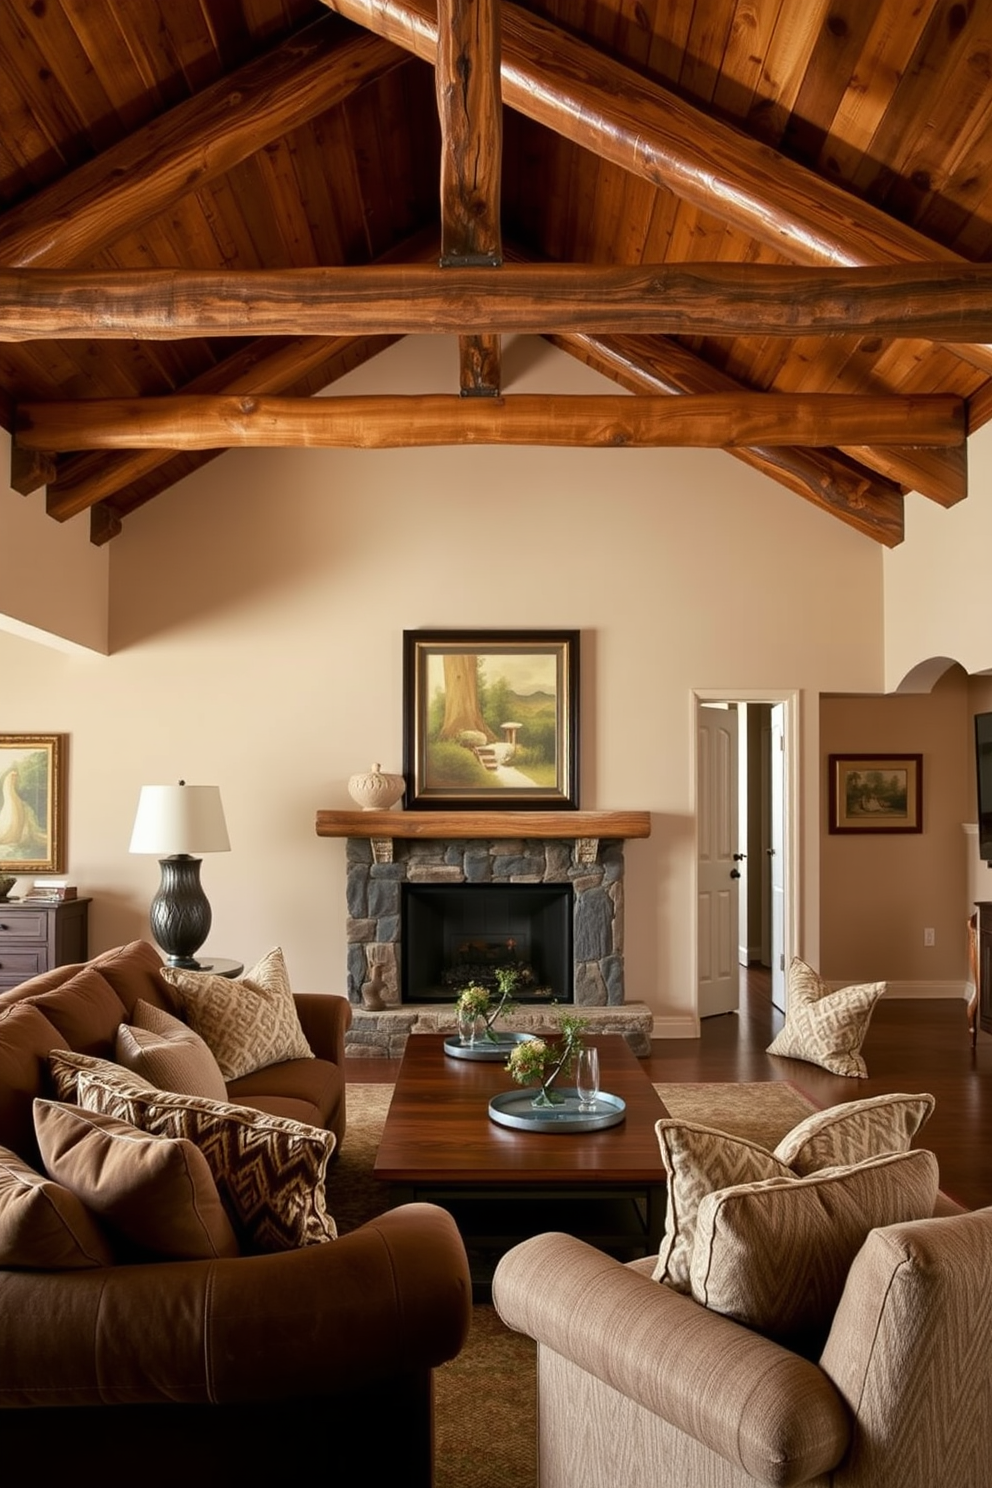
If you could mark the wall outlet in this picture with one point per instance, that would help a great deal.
(929, 938)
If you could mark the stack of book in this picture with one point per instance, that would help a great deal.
(51, 890)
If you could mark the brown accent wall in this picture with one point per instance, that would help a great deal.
(879, 893)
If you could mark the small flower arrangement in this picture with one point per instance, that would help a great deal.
(475, 1001)
(536, 1059)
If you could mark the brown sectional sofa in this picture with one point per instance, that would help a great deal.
(210, 1370)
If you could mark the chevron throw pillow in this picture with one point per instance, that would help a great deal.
(775, 1254)
(823, 1027)
(854, 1131)
(699, 1159)
(65, 1065)
(248, 1022)
(270, 1172)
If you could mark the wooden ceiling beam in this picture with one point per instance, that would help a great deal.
(80, 481)
(607, 108)
(471, 113)
(714, 421)
(300, 365)
(865, 501)
(146, 173)
(658, 364)
(936, 301)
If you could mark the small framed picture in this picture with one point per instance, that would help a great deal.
(876, 792)
(32, 803)
(490, 719)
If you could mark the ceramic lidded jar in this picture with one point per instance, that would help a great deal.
(376, 791)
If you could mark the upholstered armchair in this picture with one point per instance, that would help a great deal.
(642, 1386)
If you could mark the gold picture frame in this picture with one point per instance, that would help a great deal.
(32, 803)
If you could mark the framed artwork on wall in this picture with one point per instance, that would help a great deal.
(876, 792)
(32, 803)
(490, 719)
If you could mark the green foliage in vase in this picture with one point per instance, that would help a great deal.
(478, 1000)
(537, 1059)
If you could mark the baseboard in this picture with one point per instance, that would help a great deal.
(684, 1026)
(918, 991)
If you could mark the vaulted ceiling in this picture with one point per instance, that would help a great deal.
(769, 220)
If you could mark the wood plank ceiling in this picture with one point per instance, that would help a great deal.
(770, 220)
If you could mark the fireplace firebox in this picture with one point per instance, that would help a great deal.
(454, 935)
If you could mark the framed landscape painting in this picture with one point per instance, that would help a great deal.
(876, 792)
(490, 719)
(32, 803)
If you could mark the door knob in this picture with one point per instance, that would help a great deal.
(735, 873)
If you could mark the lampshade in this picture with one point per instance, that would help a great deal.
(179, 819)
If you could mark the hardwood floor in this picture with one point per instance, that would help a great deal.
(911, 1046)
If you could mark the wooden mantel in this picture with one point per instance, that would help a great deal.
(585, 828)
(483, 824)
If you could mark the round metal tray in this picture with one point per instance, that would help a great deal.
(516, 1108)
(483, 1049)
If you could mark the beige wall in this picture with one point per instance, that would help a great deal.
(879, 892)
(54, 585)
(937, 587)
(256, 621)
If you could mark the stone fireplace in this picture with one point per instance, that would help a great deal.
(399, 858)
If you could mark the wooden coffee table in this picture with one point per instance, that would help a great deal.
(501, 1185)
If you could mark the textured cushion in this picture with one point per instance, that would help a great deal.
(168, 1054)
(26, 1036)
(270, 1172)
(823, 1027)
(134, 971)
(854, 1131)
(249, 1022)
(86, 1011)
(775, 1254)
(699, 1159)
(156, 1193)
(44, 1227)
(64, 1066)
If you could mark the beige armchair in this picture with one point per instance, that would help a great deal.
(640, 1387)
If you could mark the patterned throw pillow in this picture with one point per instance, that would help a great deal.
(823, 1027)
(699, 1159)
(270, 1172)
(157, 1195)
(774, 1255)
(249, 1022)
(164, 1051)
(44, 1227)
(854, 1131)
(64, 1066)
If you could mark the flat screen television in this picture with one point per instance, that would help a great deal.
(983, 760)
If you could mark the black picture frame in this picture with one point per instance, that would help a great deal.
(458, 752)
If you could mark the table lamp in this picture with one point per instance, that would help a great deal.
(173, 822)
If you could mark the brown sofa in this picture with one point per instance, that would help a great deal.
(241, 1351)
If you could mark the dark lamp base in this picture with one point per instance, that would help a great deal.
(180, 914)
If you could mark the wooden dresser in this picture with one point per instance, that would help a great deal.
(36, 937)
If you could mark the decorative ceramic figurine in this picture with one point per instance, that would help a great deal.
(376, 791)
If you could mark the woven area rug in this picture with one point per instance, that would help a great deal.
(493, 1380)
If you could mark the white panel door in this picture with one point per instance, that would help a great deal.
(777, 850)
(718, 870)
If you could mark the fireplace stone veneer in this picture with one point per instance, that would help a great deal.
(403, 847)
